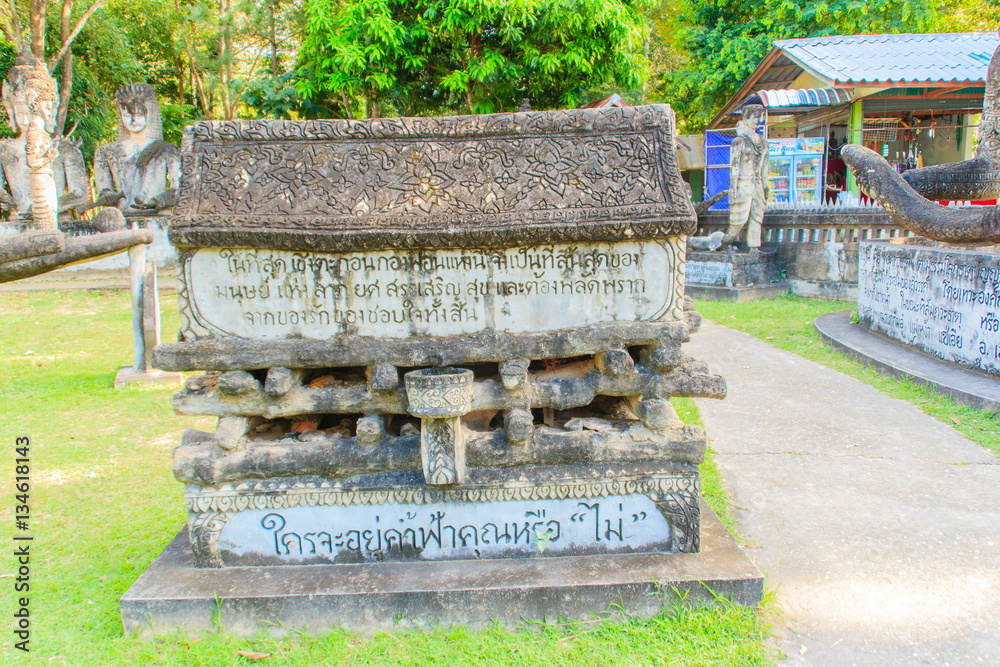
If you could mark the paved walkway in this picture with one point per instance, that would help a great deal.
(878, 525)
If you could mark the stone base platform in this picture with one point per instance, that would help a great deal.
(173, 595)
(737, 294)
(734, 276)
(126, 376)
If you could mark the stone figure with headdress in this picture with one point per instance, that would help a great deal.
(748, 179)
(39, 176)
(140, 172)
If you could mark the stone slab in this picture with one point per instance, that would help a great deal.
(889, 356)
(579, 175)
(943, 302)
(173, 595)
(274, 294)
(126, 376)
(737, 294)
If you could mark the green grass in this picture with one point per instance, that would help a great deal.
(787, 322)
(104, 504)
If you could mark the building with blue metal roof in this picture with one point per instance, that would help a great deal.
(911, 97)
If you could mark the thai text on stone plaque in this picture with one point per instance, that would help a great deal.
(943, 302)
(271, 294)
(445, 530)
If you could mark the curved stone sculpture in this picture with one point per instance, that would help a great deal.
(904, 197)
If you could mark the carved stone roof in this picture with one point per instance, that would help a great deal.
(498, 180)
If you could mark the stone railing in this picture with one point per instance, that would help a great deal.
(840, 224)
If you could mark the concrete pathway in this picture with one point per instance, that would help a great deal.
(878, 525)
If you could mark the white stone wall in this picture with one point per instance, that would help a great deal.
(943, 302)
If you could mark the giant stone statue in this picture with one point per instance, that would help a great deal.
(35, 162)
(139, 172)
(903, 197)
(748, 174)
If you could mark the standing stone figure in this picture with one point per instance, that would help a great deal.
(133, 172)
(747, 176)
(36, 170)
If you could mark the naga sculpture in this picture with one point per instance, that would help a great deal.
(133, 172)
(906, 197)
(44, 175)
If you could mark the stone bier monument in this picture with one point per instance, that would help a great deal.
(441, 353)
(138, 175)
(41, 177)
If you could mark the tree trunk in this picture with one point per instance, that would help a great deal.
(39, 8)
(66, 80)
(274, 41)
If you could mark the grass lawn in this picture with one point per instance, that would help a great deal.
(104, 504)
(787, 322)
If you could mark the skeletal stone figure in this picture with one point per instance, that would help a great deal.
(140, 172)
(747, 176)
(39, 176)
(903, 197)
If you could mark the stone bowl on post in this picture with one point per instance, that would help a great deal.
(439, 392)
(440, 396)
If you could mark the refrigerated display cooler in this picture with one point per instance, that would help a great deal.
(795, 170)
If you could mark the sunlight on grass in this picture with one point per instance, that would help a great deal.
(787, 322)
(105, 504)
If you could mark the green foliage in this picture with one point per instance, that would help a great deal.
(7, 57)
(723, 41)
(484, 56)
(276, 97)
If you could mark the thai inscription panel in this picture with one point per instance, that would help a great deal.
(272, 294)
(468, 181)
(943, 302)
(442, 531)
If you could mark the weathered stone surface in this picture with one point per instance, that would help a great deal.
(619, 502)
(14, 247)
(732, 269)
(233, 353)
(280, 381)
(270, 294)
(201, 461)
(235, 383)
(462, 182)
(942, 302)
(76, 250)
(383, 378)
(557, 392)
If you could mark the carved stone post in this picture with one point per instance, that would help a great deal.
(440, 396)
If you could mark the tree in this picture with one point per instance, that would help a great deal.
(478, 56)
(723, 41)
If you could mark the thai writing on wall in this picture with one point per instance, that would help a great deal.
(438, 531)
(943, 302)
(396, 294)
